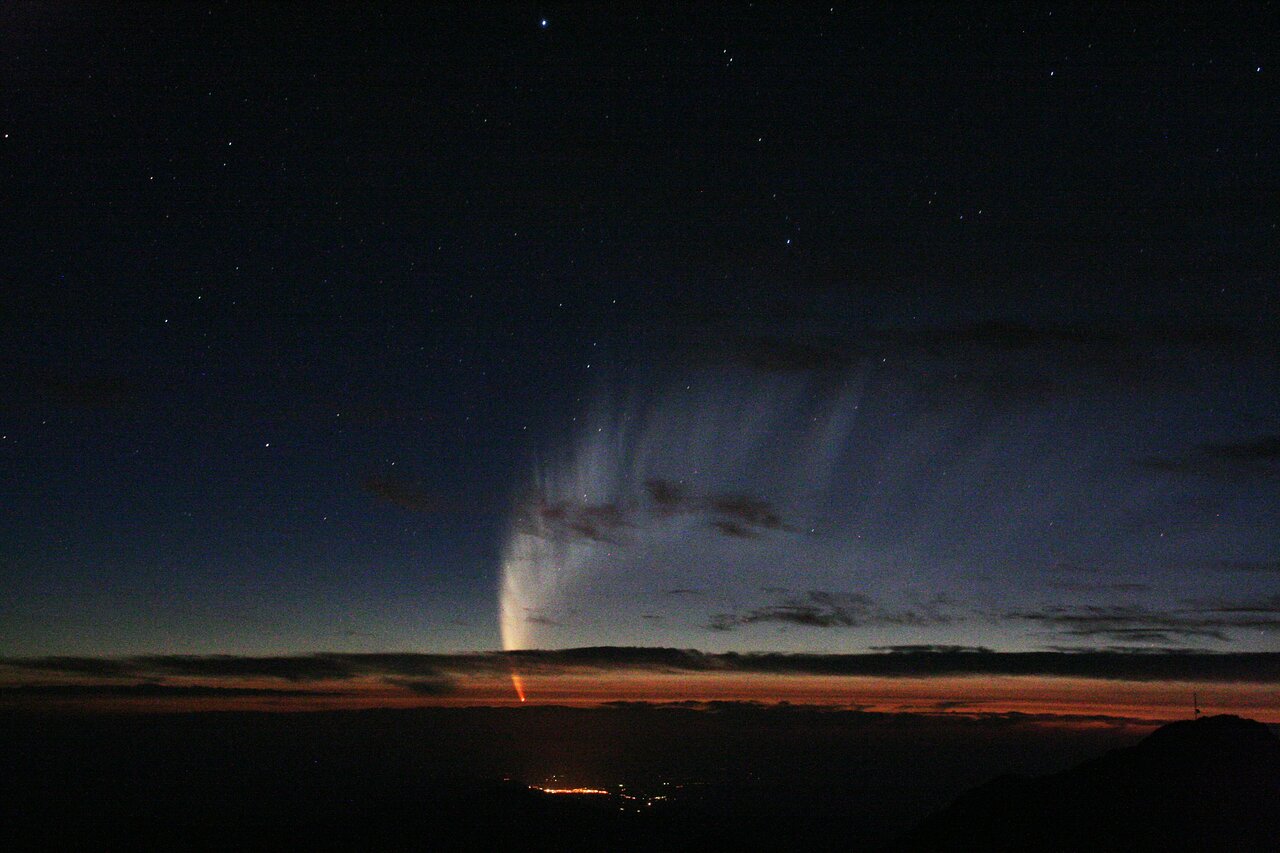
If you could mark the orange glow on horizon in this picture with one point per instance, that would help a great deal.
(963, 695)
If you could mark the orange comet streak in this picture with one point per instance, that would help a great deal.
(518, 683)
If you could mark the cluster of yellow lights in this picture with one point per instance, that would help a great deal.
(569, 790)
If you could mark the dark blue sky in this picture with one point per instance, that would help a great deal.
(733, 329)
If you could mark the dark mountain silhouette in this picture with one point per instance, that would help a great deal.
(1206, 784)
(737, 776)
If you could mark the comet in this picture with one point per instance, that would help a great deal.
(586, 535)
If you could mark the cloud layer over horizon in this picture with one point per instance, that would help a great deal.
(440, 674)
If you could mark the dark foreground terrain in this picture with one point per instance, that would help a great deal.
(706, 778)
(1208, 784)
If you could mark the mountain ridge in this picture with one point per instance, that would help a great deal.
(1212, 783)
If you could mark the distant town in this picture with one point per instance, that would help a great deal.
(624, 797)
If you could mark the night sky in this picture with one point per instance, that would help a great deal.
(744, 328)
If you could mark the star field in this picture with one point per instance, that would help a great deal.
(730, 328)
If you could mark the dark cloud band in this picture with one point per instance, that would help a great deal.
(436, 674)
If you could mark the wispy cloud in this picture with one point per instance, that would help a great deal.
(747, 515)
(1253, 457)
(404, 493)
(820, 609)
(733, 514)
(564, 519)
(1136, 623)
